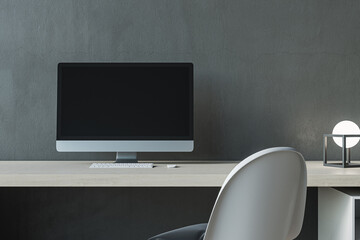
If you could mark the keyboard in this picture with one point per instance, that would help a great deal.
(122, 165)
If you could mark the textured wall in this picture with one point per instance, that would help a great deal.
(267, 73)
(112, 213)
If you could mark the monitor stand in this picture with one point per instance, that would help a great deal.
(126, 157)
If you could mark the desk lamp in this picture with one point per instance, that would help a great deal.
(346, 135)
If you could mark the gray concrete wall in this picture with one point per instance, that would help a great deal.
(112, 213)
(267, 73)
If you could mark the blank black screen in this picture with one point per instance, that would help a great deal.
(118, 101)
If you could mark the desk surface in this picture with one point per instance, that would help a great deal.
(78, 174)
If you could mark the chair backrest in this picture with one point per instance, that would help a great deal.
(263, 197)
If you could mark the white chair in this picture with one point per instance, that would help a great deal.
(263, 198)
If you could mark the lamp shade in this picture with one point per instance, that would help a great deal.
(343, 128)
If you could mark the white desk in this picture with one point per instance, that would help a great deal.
(78, 174)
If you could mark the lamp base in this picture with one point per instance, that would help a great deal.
(341, 165)
(345, 154)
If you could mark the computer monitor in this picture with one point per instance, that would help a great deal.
(125, 108)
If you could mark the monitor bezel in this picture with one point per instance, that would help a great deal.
(189, 65)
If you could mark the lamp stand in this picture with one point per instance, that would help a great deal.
(345, 152)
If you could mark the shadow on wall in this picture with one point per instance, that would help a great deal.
(226, 126)
(209, 134)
